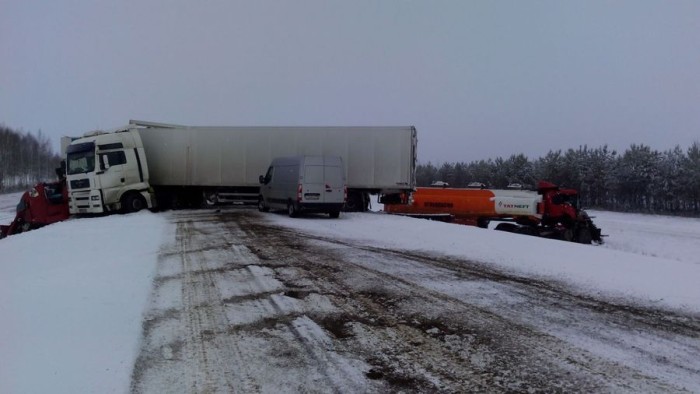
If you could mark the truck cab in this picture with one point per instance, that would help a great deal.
(107, 172)
(559, 205)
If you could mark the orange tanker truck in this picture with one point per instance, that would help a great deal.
(548, 212)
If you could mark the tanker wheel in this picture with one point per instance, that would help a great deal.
(527, 230)
(507, 227)
(133, 203)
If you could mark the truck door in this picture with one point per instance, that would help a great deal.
(111, 173)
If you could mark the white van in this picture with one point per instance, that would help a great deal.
(304, 184)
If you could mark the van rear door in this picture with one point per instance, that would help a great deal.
(334, 184)
(324, 180)
(313, 185)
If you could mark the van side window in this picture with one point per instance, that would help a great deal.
(287, 174)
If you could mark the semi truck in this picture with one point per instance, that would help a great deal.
(549, 211)
(156, 165)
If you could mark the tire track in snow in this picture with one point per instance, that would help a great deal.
(594, 367)
(219, 322)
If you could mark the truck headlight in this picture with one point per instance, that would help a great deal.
(95, 198)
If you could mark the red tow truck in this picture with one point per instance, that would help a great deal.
(45, 203)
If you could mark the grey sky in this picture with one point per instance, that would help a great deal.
(479, 79)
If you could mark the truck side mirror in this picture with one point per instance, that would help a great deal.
(261, 179)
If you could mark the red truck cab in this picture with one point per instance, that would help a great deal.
(44, 204)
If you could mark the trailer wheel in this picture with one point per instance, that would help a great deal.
(356, 202)
(133, 202)
(292, 210)
(261, 205)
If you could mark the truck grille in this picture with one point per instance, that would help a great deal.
(80, 184)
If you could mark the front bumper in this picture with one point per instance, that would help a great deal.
(85, 202)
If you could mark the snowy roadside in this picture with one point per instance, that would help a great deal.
(645, 271)
(667, 237)
(72, 297)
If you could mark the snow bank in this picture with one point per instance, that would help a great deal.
(71, 300)
(8, 204)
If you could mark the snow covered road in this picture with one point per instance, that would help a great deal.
(240, 305)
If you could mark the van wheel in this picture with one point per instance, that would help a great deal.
(261, 205)
(292, 210)
(334, 214)
(133, 202)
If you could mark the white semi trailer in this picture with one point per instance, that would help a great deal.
(147, 165)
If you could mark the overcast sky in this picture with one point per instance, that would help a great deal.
(478, 79)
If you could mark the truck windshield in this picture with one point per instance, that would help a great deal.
(80, 158)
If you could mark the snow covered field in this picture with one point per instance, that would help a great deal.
(72, 294)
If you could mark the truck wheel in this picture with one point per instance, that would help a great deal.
(133, 203)
(334, 214)
(210, 199)
(261, 205)
(292, 210)
(567, 235)
(24, 227)
(584, 236)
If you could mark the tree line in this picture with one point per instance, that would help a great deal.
(640, 179)
(25, 159)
